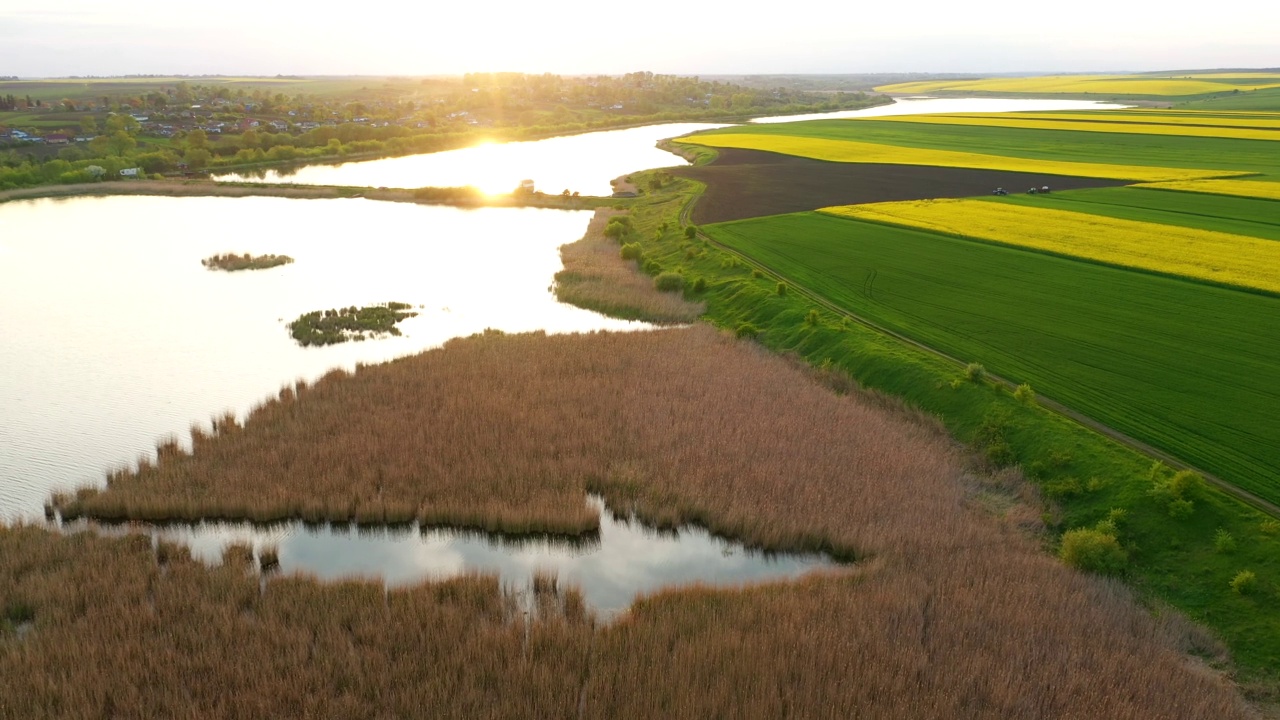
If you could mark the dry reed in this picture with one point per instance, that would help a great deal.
(950, 613)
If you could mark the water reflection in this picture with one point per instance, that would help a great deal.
(115, 336)
(623, 560)
(578, 163)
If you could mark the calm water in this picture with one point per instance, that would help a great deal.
(624, 560)
(586, 163)
(115, 335)
(578, 163)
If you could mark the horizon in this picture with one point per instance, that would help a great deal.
(70, 38)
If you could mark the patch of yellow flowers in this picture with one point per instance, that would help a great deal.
(1240, 188)
(861, 152)
(1082, 123)
(1200, 254)
(1115, 84)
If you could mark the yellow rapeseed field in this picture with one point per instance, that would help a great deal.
(1262, 121)
(860, 152)
(1241, 188)
(1098, 84)
(1081, 123)
(1200, 254)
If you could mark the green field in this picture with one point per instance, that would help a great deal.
(1262, 99)
(1222, 213)
(1185, 367)
(1259, 156)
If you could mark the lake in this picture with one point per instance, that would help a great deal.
(116, 336)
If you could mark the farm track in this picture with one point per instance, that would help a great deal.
(1235, 491)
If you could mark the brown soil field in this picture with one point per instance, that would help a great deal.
(751, 183)
(953, 609)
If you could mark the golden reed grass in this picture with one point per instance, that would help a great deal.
(951, 613)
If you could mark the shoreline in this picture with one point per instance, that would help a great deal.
(211, 188)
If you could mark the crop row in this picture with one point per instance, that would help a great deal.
(1082, 124)
(1221, 213)
(1198, 254)
(1183, 366)
(1112, 84)
(1238, 188)
(863, 152)
(1261, 121)
(1222, 156)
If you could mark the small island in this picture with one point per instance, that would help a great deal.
(328, 327)
(232, 262)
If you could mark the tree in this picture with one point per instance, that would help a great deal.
(122, 123)
(120, 143)
(197, 158)
(88, 126)
(197, 139)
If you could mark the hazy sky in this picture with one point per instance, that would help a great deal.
(94, 37)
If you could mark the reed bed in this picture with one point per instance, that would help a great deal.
(593, 278)
(951, 612)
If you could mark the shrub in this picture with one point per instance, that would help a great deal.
(631, 251)
(757, 274)
(700, 285)
(1223, 541)
(811, 318)
(1063, 487)
(974, 372)
(782, 289)
(1176, 492)
(669, 282)
(1024, 394)
(746, 330)
(1270, 527)
(691, 231)
(1093, 550)
(652, 267)
(1245, 582)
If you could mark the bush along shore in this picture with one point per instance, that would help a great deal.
(232, 262)
(329, 327)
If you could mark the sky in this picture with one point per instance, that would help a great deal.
(56, 38)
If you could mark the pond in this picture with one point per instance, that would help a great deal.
(116, 336)
(625, 559)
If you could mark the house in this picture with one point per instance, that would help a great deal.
(57, 139)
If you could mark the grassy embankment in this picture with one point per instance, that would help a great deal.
(950, 612)
(231, 262)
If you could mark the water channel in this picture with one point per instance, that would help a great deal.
(115, 337)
